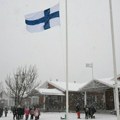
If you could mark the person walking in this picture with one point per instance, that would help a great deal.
(1, 111)
(19, 112)
(92, 111)
(14, 110)
(22, 112)
(36, 113)
(78, 110)
(86, 109)
(27, 112)
(31, 113)
(6, 111)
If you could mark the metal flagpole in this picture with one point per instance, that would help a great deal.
(66, 21)
(114, 62)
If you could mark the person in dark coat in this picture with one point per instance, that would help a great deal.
(78, 110)
(18, 112)
(6, 111)
(86, 109)
(14, 110)
(1, 111)
(22, 112)
(92, 111)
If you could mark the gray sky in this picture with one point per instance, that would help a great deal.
(89, 39)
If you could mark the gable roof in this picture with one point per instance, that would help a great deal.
(100, 84)
(44, 91)
(109, 81)
(72, 86)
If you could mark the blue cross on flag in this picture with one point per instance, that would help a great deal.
(43, 20)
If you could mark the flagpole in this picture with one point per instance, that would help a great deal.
(66, 36)
(114, 62)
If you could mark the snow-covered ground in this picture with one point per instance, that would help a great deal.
(72, 116)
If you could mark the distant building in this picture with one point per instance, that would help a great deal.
(51, 95)
(100, 93)
(5, 100)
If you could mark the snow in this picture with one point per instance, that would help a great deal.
(109, 82)
(49, 91)
(72, 86)
(75, 86)
(71, 116)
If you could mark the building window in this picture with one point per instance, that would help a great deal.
(35, 100)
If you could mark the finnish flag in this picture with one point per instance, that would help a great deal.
(43, 20)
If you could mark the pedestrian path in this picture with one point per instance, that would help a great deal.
(58, 115)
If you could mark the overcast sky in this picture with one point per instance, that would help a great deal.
(89, 39)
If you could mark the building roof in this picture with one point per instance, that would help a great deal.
(100, 84)
(45, 91)
(109, 81)
(72, 86)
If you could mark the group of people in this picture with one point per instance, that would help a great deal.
(3, 110)
(19, 112)
(89, 111)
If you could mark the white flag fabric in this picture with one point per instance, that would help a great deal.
(43, 20)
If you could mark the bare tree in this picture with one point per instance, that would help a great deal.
(22, 83)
